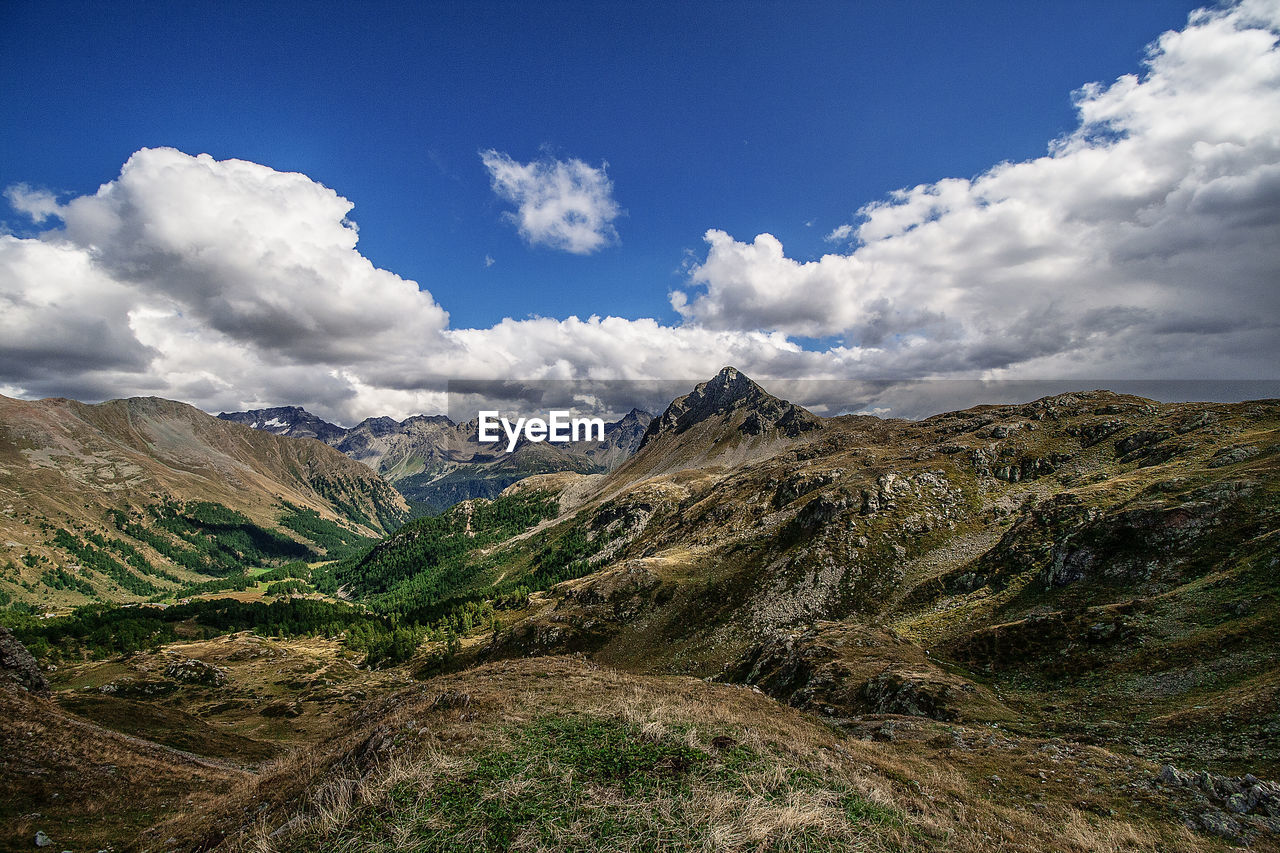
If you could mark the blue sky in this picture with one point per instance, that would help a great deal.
(787, 120)
(749, 117)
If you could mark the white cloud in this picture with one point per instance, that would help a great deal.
(1146, 240)
(1146, 243)
(840, 234)
(209, 281)
(564, 204)
(38, 204)
(61, 317)
(262, 257)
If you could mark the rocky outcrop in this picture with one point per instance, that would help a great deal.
(1134, 543)
(1056, 644)
(1232, 455)
(1231, 807)
(289, 421)
(17, 666)
(844, 670)
(730, 391)
(191, 671)
(1030, 467)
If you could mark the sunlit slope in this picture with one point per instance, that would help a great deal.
(77, 482)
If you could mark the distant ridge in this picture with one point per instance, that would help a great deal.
(288, 421)
(434, 461)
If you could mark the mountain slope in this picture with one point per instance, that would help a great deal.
(727, 421)
(1083, 564)
(133, 497)
(432, 460)
(83, 785)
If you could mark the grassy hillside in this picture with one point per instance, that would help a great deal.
(557, 753)
(146, 498)
(1042, 626)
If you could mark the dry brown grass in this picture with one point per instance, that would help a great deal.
(812, 787)
(87, 787)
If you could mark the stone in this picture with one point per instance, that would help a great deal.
(17, 666)
(1217, 823)
(192, 671)
(1232, 455)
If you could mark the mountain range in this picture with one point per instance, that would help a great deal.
(1050, 625)
(141, 497)
(433, 461)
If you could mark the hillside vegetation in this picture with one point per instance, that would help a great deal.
(151, 499)
(1051, 625)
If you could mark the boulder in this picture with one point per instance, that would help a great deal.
(17, 666)
(192, 671)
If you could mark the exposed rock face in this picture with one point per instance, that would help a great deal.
(731, 391)
(192, 671)
(1232, 455)
(847, 670)
(621, 439)
(1232, 807)
(1066, 541)
(1134, 543)
(17, 666)
(289, 421)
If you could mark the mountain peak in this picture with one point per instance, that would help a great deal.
(732, 393)
(288, 421)
(730, 386)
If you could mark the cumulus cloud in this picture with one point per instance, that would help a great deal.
(259, 256)
(204, 280)
(1148, 239)
(38, 204)
(564, 204)
(1146, 243)
(231, 285)
(840, 234)
(61, 316)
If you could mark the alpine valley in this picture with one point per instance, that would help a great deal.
(733, 626)
(437, 463)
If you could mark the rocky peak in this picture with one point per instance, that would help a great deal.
(378, 426)
(634, 421)
(731, 392)
(428, 420)
(289, 421)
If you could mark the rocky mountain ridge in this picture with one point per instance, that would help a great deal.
(435, 461)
